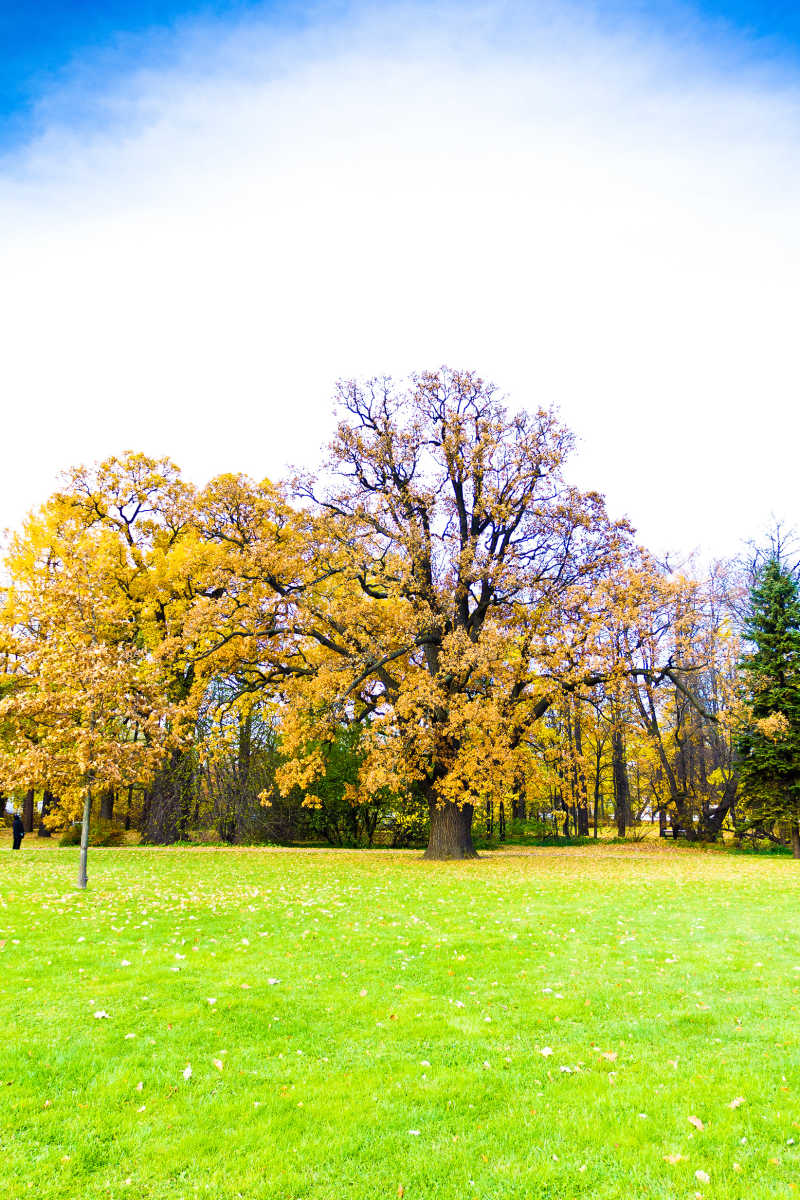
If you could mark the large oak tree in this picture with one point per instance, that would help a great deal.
(441, 583)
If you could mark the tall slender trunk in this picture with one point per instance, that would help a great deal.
(243, 772)
(620, 775)
(87, 814)
(582, 791)
(795, 839)
(597, 796)
(451, 831)
(27, 811)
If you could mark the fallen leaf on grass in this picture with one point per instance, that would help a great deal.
(698, 1124)
(187, 1071)
(702, 1177)
(736, 1101)
(672, 1159)
(218, 1063)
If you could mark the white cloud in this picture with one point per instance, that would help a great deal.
(604, 219)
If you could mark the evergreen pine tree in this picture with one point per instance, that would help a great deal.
(769, 745)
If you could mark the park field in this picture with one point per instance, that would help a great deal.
(603, 1021)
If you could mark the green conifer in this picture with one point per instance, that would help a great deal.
(769, 745)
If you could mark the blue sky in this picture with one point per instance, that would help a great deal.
(210, 213)
(44, 41)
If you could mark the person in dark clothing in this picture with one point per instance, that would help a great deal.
(17, 831)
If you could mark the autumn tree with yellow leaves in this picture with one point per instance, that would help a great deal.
(82, 708)
(442, 585)
(145, 509)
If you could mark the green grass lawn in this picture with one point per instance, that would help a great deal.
(534, 1024)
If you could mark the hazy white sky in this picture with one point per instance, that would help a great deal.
(199, 242)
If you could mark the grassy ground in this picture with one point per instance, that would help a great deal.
(535, 1024)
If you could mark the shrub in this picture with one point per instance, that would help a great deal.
(101, 833)
(71, 836)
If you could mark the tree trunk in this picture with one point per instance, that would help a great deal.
(581, 790)
(597, 795)
(620, 777)
(713, 818)
(27, 811)
(87, 814)
(107, 805)
(795, 840)
(451, 831)
(583, 820)
(47, 804)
